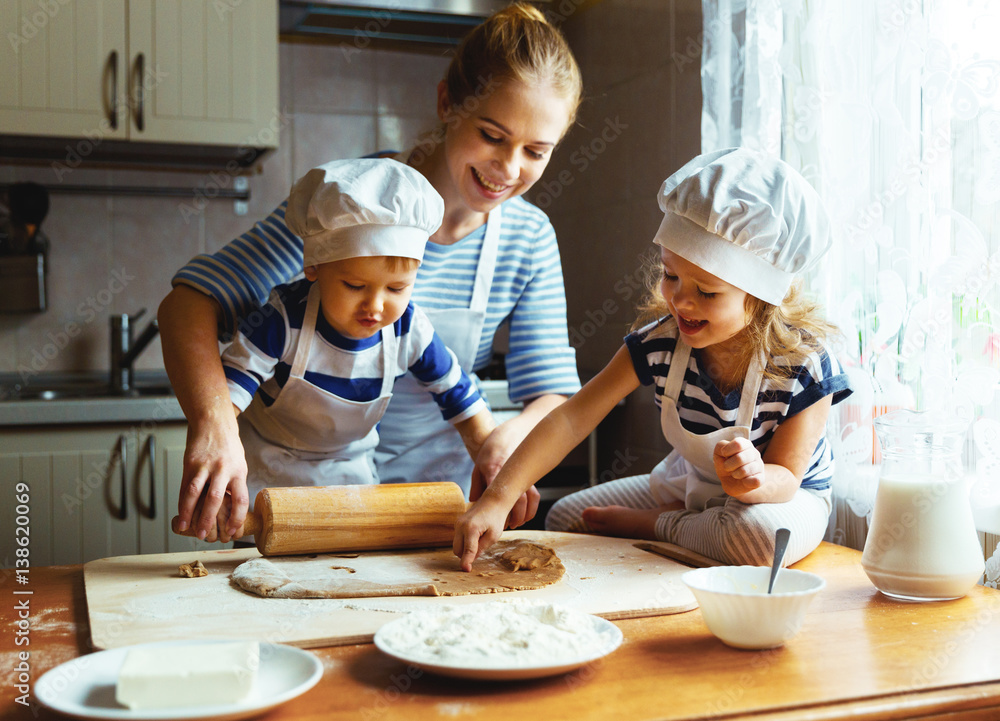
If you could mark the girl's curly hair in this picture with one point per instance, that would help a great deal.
(787, 332)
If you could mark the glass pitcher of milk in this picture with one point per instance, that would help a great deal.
(922, 544)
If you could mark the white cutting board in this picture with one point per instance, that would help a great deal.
(137, 599)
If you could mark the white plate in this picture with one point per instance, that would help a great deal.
(507, 673)
(85, 686)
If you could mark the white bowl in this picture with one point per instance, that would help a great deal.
(738, 609)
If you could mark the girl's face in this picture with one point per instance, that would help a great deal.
(360, 296)
(498, 144)
(708, 310)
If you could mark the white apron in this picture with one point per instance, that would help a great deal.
(416, 444)
(309, 436)
(688, 472)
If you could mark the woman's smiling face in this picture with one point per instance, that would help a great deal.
(497, 145)
(708, 310)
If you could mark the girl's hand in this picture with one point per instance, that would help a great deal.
(478, 529)
(739, 466)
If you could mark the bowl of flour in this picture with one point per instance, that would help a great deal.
(498, 640)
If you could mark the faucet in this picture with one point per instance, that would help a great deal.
(125, 349)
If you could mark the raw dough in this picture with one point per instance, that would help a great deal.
(193, 570)
(401, 573)
(528, 556)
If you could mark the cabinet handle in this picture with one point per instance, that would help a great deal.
(113, 111)
(139, 98)
(151, 457)
(122, 455)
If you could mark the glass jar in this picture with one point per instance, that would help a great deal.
(922, 544)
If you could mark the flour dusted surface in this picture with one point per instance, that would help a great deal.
(495, 635)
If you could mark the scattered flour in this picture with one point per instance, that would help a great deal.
(457, 709)
(496, 635)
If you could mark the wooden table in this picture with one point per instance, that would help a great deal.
(859, 655)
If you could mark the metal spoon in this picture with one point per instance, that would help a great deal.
(780, 544)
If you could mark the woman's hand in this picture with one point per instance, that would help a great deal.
(739, 466)
(215, 470)
(495, 451)
(214, 462)
(478, 529)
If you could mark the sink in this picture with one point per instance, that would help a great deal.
(79, 390)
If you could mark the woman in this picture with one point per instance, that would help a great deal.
(510, 94)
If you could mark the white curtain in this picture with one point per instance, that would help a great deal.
(891, 108)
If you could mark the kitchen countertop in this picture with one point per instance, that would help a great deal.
(157, 406)
(79, 400)
(77, 411)
(859, 655)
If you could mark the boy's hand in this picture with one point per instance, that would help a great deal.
(739, 466)
(478, 529)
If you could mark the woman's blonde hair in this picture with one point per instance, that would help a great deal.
(515, 43)
(789, 331)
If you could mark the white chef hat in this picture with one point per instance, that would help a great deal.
(747, 218)
(363, 207)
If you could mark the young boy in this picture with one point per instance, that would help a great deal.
(312, 374)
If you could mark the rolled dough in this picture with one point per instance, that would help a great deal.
(510, 565)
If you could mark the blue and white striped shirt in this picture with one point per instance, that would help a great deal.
(259, 360)
(527, 289)
(703, 408)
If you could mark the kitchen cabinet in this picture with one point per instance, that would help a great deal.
(94, 491)
(165, 71)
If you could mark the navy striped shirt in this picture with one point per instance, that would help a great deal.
(527, 290)
(259, 360)
(703, 408)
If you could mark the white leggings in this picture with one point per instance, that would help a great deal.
(733, 532)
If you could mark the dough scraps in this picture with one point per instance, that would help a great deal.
(192, 570)
(514, 565)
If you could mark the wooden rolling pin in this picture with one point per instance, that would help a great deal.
(325, 519)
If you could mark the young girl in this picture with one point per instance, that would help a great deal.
(509, 95)
(739, 369)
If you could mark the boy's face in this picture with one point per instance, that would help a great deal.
(360, 296)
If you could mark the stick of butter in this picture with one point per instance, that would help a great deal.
(195, 674)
